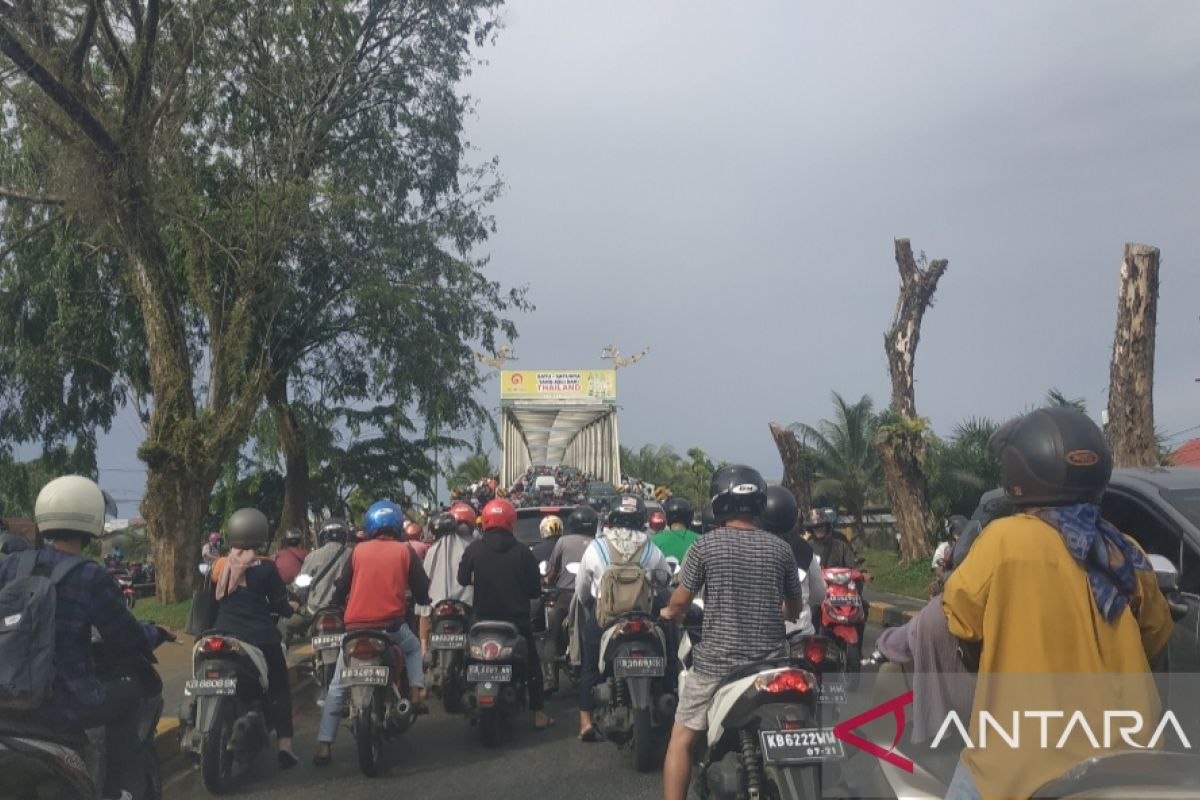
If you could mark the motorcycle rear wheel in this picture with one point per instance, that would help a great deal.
(452, 689)
(151, 775)
(644, 741)
(216, 759)
(369, 736)
(489, 727)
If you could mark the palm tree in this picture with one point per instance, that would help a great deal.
(844, 461)
(961, 468)
(1055, 398)
(471, 469)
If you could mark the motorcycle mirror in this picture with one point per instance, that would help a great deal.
(542, 568)
(1168, 576)
(573, 568)
(303, 581)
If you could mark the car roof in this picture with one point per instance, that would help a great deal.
(1170, 478)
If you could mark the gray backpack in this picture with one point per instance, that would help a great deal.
(27, 607)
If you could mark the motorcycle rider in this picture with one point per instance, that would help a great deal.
(569, 549)
(1058, 575)
(830, 547)
(625, 533)
(325, 565)
(453, 532)
(248, 589)
(780, 516)
(415, 537)
(746, 576)
(941, 556)
(675, 541)
(211, 550)
(290, 558)
(505, 577)
(551, 528)
(69, 513)
(379, 573)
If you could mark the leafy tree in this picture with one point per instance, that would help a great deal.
(471, 469)
(206, 158)
(846, 465)
(21, 481)
(1056, 398)
(660, 465)
(960, 468)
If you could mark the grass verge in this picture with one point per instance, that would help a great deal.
(888, 575)
(173, 615)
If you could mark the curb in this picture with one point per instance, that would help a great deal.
(887, 615)
(166, 738)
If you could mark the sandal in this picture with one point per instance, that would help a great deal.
(546, 722)
(322, 759)
(589, 735)
(287, 759)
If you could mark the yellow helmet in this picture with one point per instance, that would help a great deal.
(550, 527)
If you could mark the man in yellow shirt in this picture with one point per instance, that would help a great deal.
(1066, 610)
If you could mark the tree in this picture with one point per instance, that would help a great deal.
(1130, 428)
(903, 446)
(797, 469)
(201, 151)
(961, 468)
(662, 466)
(1055, 397)
(844, 462)
(471, 469)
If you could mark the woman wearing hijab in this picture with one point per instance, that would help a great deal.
(248, 590)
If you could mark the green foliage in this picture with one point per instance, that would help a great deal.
(844, 461)
(172, 616)
(661, 466)
(960, 468)
(471, 469)
(1056, 398)
(889, 575)
(20, 481)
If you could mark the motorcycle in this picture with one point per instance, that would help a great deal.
(843, 614)
(327, 631)
(497, 658)
(765, 738)
(553, 636)
(819, 655)
(373, 668)
(224, 723)
(448, 645)
(36, 762)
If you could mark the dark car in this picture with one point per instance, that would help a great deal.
(528, 520)
(1160, 508)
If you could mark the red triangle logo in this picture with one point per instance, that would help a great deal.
(895, 707)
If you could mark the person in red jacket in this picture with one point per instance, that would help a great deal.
(290, 557)
(380, 572)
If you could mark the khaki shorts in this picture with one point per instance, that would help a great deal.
(694, 700)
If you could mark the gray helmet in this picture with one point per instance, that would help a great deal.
(248, 529)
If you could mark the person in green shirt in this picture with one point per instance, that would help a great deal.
(677, 538)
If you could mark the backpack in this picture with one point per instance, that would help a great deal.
(624, 584)
(27, 612)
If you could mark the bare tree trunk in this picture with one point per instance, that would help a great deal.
(295, 456)
(796, 476)
(174, 508)
(902, 447)
(1130, 427)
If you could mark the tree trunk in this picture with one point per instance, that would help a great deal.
(902, 446)
(1130, 427)
(295, 456)
(174, 508)
(796, 476)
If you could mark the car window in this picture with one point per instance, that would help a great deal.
(1186, 502)
(1134, 518)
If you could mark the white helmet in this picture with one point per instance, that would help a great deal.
(71, 503)
(550, 527)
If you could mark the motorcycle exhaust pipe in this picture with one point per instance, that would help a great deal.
(404, 708)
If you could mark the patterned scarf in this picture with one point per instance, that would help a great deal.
(1109, 558)
(231, 571)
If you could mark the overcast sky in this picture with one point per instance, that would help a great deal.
(722, 183)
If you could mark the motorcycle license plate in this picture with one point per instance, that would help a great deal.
(634, 667)
(489, 673)
(807, 746)
(448, 641)
(210, 686)
(327, 641)
(366, 676)
(846, 600)
(831, 692)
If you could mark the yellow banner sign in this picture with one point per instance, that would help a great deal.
(580, 386)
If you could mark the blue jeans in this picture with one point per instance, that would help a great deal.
(335, 699)
(962, 785)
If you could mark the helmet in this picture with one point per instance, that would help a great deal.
(628, 512)
(214, 538)
(443, 525)
(463, 513)
(583, 521)
(781, 512)
(293, 535)
(679, 511)
(955, 525)
(383, 517)
(658, 520)
(550, 527)
(334, 530)
(820, 518)
(737, 491)
(499, 515)
(13, 543)
(707, 521)
(1055, 457)
(71, 505)
(248, 529)
(412, 531)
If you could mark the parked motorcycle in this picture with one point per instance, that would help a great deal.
(448, 646)
(37, 763)
(843, 614)
(373, 668)
(224, 723)
(496, 664)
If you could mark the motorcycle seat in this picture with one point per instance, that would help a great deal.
(497, 628)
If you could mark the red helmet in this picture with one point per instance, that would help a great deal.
(499, 515)
(412, 531)
(658, 521)
(463, 513)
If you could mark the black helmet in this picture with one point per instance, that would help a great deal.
(737, 491)
(248, 529)
(443, 525)
(955, 525)
(679, 511)
(334, 530)
(629, 511)
(583, 521)
(820, 518)
(1055, 457)
(293, 535)
(707, 521)
(781, 512)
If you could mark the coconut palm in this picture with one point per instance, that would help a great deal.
(961, 468)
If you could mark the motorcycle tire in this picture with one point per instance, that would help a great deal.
(369, 736)
(452, 689)
(644, 742)
(854, 657)
(216, 759)
(796, 783)
(489, 727)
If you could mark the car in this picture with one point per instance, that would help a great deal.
(528, 520)
(1160, 508)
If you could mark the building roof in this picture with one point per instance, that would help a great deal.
(1188, 455)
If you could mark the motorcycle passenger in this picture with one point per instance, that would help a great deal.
(746, 576)
(248, 590)
(290, 558)
(780, 516)
(941, 556)
(624, 534)
(505, 577)
(551, 528)
(211, 550)
(325, 565)
(372, 588)
(69, 513)
(675, 541)
(830, 547)
(415, 537)
(1058, 575)
(453, 532)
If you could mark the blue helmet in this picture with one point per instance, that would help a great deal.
(383, 516)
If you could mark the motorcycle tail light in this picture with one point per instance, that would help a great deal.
(446, 608)
(363, 649)
(635, 625)
(814, 650)
(330, 623)
(490, 650)
(784, 680)
(217, 644)
(838, 577)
